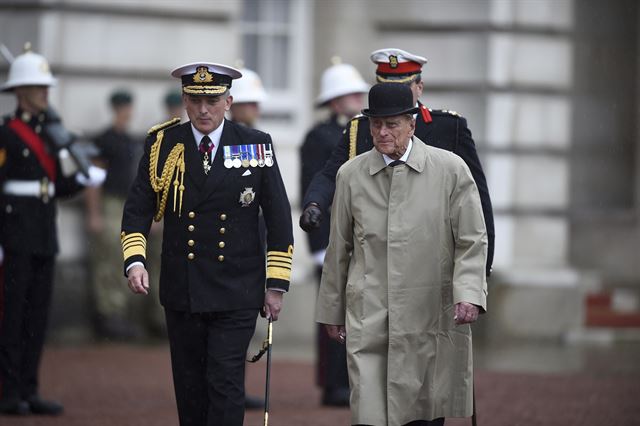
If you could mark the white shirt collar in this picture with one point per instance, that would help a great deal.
(214, 136)
(404, 157)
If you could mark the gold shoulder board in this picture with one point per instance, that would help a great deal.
(164, 125)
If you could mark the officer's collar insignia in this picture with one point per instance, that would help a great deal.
(247, 196)
(202, 75)
(393, 61)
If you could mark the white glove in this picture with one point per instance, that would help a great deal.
(1, 255)
(96, 177)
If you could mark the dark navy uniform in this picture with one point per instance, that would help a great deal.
(30, 182)
(212, 280)
(315, 151)
(438, 128)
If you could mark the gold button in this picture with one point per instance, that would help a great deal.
(191, 243)
(191, 256)
(223, 216)
(191, 228)
(222, 230)
(192, 215)
(221, 258)
(221, 244)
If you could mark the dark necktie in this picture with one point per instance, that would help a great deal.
(205, 148)
(395, 163)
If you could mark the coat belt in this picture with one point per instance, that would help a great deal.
(30, 188)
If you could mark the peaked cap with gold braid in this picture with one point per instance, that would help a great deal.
(206, 78)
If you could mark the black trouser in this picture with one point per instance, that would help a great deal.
(332, 357)
(25, 297)
(208, 356)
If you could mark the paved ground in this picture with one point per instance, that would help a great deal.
(119, 385)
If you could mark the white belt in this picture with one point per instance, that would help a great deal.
(30, 188)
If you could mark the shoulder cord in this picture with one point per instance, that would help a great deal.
(174, 165)
(353, 137)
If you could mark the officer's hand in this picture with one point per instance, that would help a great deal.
(311, 217)
(272, 304)
(465, 313)
(138, 279)
(336, 332)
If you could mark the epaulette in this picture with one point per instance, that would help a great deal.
(446, 111)
(164, 125)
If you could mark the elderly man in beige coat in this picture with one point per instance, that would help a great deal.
(404, 272)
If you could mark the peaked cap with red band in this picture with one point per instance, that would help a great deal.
(396, 65)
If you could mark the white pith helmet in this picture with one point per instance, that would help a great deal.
(248, 88)
(339, 80)
(28, 69)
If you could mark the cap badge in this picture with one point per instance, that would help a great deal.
(247, 196)
(202, 75)
(393, 61)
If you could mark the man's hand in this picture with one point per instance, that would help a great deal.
(272, 304)
(465, 313)
(138, 279)
(337, 332)
(311, 217)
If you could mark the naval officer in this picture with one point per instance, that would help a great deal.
(208, 179)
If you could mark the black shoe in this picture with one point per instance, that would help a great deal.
(253, 402)
(14, 407)
(336, 397)
(41, 406)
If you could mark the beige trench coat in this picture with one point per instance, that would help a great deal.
(407, 243)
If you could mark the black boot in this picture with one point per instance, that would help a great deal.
(14, 407)
(41, 406)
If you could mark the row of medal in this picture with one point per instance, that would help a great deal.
(259, 155)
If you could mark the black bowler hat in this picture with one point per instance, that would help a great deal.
(389, 99)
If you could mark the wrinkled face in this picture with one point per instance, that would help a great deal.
(391, 134)
(33, 99)
(246, 113)
(206, 112)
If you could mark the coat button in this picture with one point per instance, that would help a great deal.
(222, 230)
(25, 152)
(191, 256)
(192, 215)
(191, 228)
(221, 258)
(191, 243)
(223, 216)
(221, 244)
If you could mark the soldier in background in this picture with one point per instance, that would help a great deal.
(248, 93)
(35, 169)
(173, 104)
(116, 312)
(342, 92)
